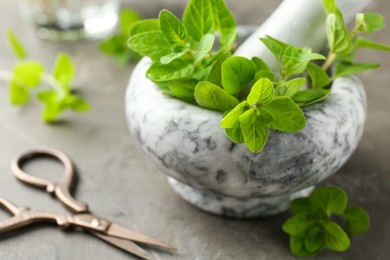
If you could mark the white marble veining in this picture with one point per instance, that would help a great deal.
(186, 142)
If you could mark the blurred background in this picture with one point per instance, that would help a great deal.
(121, 184)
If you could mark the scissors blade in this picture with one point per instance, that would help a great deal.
(119, 231)
(126, 245)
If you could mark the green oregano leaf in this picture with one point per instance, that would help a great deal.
(262, 92)
(330, 199)
(346, 68)
(176, 69)
(16, 45)
(236, 72)
(28, 73)
(369, 22)
(18, 94)
(335, 237)
(369, 44)
(212, 97)
(315, 240)
(298, 248)
(260, 65)
(275, 46)
(288, 117)
(331, 8)
(172, 28)
(255, 133)
(318, 76)
(247, 117)
(224, 23)
(264, 116)
(338, 36)
(294, 59)
(205, 46)
(64, 71)
(184, 88)
(231, 119)
(215, 75)
(291, 62)
(78, 104)
(290, 88)
(198, 18)
(357, 220)
(235, 134)
(174, 55)
(298, 225)
(151, 44)
(144, 26)
(264, 74)
(310, 96)
(301, 205)
(53, 105)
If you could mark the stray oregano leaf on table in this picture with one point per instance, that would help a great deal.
(27, 76)
(192, 61)
(313, 227)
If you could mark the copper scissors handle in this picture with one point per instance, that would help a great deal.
(61, 189)
(23, 216)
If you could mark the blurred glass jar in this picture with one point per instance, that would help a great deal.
(71, 20)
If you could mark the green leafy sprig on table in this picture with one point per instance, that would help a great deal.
(187, 65)
(28, 75)
(313, 227)
(116, 45)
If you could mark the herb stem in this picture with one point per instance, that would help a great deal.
(50, 80)
(8, 75)
(354, 32)
(329, 61)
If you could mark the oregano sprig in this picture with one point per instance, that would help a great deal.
(314, 227)
(27, 75)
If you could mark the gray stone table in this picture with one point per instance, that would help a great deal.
(120, 183)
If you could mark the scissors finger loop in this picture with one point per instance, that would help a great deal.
(61, 189)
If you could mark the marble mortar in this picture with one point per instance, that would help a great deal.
(209, 171)
(214, 174)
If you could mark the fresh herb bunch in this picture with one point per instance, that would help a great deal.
(186, 66)
(313, 228)
(116, 45)
(28, 75)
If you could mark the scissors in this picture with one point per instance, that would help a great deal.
(114, 234)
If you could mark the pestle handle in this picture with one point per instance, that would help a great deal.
(297, 22)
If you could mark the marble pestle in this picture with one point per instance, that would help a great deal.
(298, 22)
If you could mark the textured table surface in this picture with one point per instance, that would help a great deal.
(119, 182)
